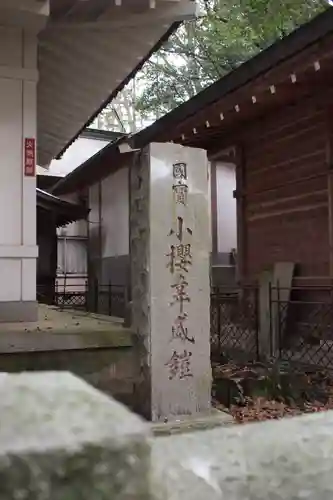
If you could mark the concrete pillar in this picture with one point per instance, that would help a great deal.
(18, 249)
(170, 245)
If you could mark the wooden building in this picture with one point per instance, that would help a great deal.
(272, 118)
(52, 212)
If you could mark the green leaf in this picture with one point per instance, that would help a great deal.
(202, 51)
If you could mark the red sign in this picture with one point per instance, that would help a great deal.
(29, 157)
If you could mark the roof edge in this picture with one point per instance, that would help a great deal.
(67, 212)
(281, 50)
(120, 87)
(100, 134)
(61, 187)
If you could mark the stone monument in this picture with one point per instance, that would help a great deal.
(170, 248)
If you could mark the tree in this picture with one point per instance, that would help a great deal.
(121, 114)
(202, 51)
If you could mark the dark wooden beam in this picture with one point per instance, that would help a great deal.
(214, 219)
(329, 162)
(223, 155)
(286, 93)
(60, 9)
(241, 265)
(100, 230)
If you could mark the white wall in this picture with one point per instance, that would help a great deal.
(72, 248)
(82, 149)
(226, 207)
(115, 213)
(72, 257)
(78, 228)
(18, 249)
(94, 221)
(209, 173)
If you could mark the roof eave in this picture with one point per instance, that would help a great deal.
(63, 186)
(280, 51)
(118, 89)
(65, 211)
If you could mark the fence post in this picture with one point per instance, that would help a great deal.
(127, 307)
(256, 320)
(87, 295)
(270, 319)
(218, 324)
(277, 338)
(54, 292)
(265, 316)
(96, 295)
(110, 298)
(126, 295)
(126, 311)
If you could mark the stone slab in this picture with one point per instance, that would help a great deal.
(212, 419)
(112, 370)
(61, 439)
(276, 460)
(64, 329)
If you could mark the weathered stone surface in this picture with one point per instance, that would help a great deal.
(210, 420)
(289, 459)
(169, 247)
(140, 269)
(60, 439)
(111, 370)
(58, 329)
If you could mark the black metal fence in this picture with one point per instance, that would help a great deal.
(108, 299)
(299, 329)
(302, 325)
(71, 296)
(234, 323)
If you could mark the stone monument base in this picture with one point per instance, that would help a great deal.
(181, 425)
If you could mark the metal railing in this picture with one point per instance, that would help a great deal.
(234, 323)
(71, 296)
(107, 299)
(300, 319)
(300, 328)
(302, 325)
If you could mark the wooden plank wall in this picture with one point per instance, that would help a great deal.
(285, 191)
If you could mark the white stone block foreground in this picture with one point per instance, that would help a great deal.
(291, 459)
(60, 439)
